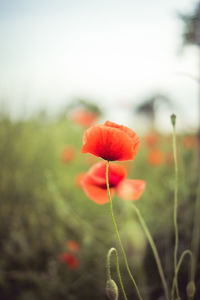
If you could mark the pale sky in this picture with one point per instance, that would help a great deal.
(112, 52)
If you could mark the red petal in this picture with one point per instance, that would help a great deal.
(94, 192)
(116, 173)
(111, 142)
(73, 246)
(130, 189)
(70, 260)
(123, 128)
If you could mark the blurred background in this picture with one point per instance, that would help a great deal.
(66, 65)
(116, 54)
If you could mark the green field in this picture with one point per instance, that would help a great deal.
(41, 208)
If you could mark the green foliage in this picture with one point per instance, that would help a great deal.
(41, 208)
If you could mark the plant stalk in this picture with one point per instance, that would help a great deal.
(117, 268)
(118, 236)
(155, 252)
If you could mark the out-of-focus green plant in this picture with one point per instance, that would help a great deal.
(41, 208)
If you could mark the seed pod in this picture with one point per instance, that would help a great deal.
(173, 119)
(112, 290)
(190, 289)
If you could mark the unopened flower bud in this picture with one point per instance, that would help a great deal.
(112, 290)
(190, 289)
(173, 119)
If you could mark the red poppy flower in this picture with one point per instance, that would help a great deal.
(73, 246)
(155, 157)
(94, 183)
(151, 139)
(130, 189)
(68, 154)
(83, 117)
(111, 141)
(70, 260)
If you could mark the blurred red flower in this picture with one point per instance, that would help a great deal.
(94, 183)
(111, 141)
(155, 157)
(70, 260)
(68, 154)
(72, 246)
(151, 139)
(83, 117)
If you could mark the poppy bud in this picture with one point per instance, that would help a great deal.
(112, 290)
(190, 289)
(173, 119)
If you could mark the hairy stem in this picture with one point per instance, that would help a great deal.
(117, 268)
(173, 119)
(154, 249)
(178, 267)
(118, 236)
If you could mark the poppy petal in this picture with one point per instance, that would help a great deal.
(97, 194)
(73, 246)
(70, 260)
(111, 142)
(123, 128)
(130, 189)
(116, 173)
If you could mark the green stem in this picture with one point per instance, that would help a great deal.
(175, 205)
(118, 270)
(178, 267)
(118, 236)
(154, 249)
